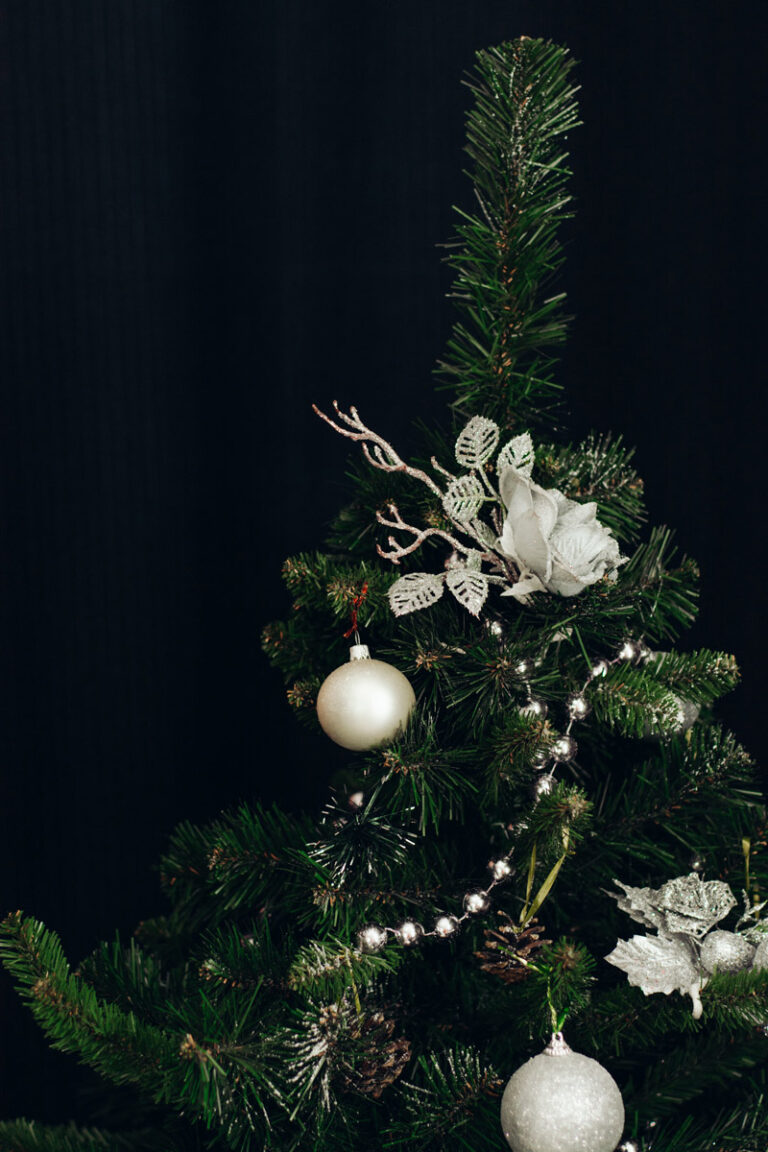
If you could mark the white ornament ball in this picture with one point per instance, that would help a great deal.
(561, 1101)
(364, 703)
(760, 958)
(726, 952)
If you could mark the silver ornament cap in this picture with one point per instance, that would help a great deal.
(561, 1101)
(364, 703)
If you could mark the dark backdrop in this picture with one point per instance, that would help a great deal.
(213, 214)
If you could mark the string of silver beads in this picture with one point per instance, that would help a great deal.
(477, 901)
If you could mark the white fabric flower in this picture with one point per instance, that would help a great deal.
(558, 545)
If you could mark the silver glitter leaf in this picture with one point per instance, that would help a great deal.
(469, 588)
(477, 442)
(693, 906)
(656, 964)
(517, 453)
(413, 592)
(687, 905)
(484, 534)
(639, 904)
(463, 499)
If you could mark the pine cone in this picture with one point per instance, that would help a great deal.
(380, 1059)
(508, 951)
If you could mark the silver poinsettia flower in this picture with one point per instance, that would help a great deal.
(683, 911)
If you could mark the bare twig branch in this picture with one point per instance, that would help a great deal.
(376, 449)
(439, 468)
(421, 534)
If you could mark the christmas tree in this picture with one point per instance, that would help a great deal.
(525, 735)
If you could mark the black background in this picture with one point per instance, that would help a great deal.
(213, 214)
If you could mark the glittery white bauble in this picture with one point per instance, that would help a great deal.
(561, 1101)
(365, 702)
(726, 952)
(760, 958)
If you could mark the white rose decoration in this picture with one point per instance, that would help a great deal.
(558, 545)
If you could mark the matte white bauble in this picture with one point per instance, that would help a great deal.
(561, 1101)
(364, 703)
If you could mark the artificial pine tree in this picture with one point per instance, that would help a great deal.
(361, 980)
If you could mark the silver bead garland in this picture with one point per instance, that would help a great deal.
(409, 933)
(564, 748)
(446, 926)
(476, 902)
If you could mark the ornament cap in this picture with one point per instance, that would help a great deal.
(557, 1046)
(359, 652)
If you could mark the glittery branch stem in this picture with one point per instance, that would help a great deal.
(376, 449)
(380, 454)
(421, 534)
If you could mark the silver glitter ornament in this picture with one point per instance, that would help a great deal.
(364, 703)
(561, 1101)
(726, 952)
(525, 669)
(599, 668)
(760, 958)
(686, 716)
(628, 1146)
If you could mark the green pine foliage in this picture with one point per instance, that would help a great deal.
(248, 1017)
(500, 359)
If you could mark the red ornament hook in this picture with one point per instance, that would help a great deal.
(356, 603)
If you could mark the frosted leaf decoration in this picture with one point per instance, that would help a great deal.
(684, 912)
(414, 591)
(477, 442)
(658, 964)
(519, 454)
(639, 903)
(686, 906)
(463, 499)
(530, 540)
(470, 588)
